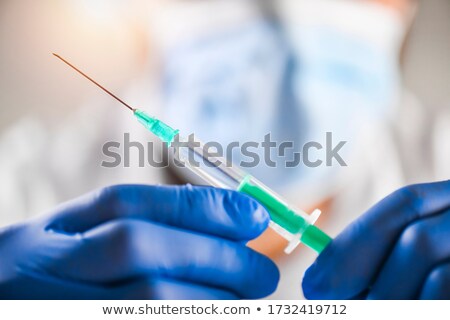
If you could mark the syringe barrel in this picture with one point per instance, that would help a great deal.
(215, 170)
(293, 224)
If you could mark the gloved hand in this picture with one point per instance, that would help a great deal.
(140, 242)
(399, 249)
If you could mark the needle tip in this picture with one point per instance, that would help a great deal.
(95, 82)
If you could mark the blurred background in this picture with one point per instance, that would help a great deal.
(292, 67)
(101, 34)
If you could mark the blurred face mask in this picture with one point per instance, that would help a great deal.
(324, 66)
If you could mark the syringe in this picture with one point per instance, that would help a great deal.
(291, 223)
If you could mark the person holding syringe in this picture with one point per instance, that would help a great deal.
(187, 242)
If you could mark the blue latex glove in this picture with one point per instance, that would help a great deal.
(399, 249)
(140, 242)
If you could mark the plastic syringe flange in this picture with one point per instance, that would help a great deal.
(295, 239)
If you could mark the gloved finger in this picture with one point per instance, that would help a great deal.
(349, 264)
(220, 212)
(169, 289)
(50, 288)
(437, 285)
(421, 246)
(30, 286)
(123, 249)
